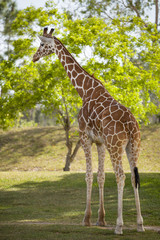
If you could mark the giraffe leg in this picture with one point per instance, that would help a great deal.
(101, 179)
(86, 144)
(140, 227)
(116, 158)
(133, 157)
(119, 223)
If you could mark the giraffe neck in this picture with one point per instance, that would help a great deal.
(83, 82)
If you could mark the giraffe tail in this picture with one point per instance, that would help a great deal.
(137, 178)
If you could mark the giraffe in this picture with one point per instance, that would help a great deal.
(105, 122)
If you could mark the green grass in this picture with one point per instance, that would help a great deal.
(68, 232)
(43, 148)
(39, 201)
(50, 205)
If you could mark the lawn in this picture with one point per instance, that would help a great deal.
(50, 205)
(40, 201)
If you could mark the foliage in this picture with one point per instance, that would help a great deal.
(18, 87)
(8, 12)
(116, 57)
(124, 54)
(57, 91)
(27, 84)
(110, 9)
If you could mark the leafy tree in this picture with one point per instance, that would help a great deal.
(29, 84)
(59, 95)
(115, 53)
(124, 54)
(18, 87)
(132, 17)
(111, 9)
(8, 12)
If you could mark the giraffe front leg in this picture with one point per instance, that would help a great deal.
(101, 211)
(88, 212)
(86, 144)
(101, 180)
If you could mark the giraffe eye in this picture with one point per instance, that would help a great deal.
(42, 44)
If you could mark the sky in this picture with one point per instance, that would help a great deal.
(26, 3)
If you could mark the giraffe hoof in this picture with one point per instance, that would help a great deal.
(87, 224)
(140, 228)
(118, 230)
(101, 223)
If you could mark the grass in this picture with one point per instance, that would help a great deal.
(52, 204)
(43, 148)
(39, 201)
(67, 232)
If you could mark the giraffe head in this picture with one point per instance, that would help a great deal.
(47, 45)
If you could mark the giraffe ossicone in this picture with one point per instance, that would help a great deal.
(105, 122)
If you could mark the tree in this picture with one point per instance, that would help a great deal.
(64, 101)
(111, 9)
(115, 51)
(8, 12)
(44, 81)
(124, 54)
(18, 88)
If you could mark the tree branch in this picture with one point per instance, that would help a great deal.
(156, 12)
(134, 8)
(62, 116)
(124, 4)
(108, 16)
(75, 151)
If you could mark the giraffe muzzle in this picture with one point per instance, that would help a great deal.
(35, 58)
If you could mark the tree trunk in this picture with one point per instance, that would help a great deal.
(68, 160)
(66, 124)
(69, 146)
(156, 13)
(70, 156)
(75, 151)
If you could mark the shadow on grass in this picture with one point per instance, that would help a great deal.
(63, 201)
(16, 145)
(29, 142)
(69, 232)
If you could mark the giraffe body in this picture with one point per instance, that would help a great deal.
(105, 122)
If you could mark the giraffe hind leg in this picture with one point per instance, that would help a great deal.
(140, 227)
(132, 154)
